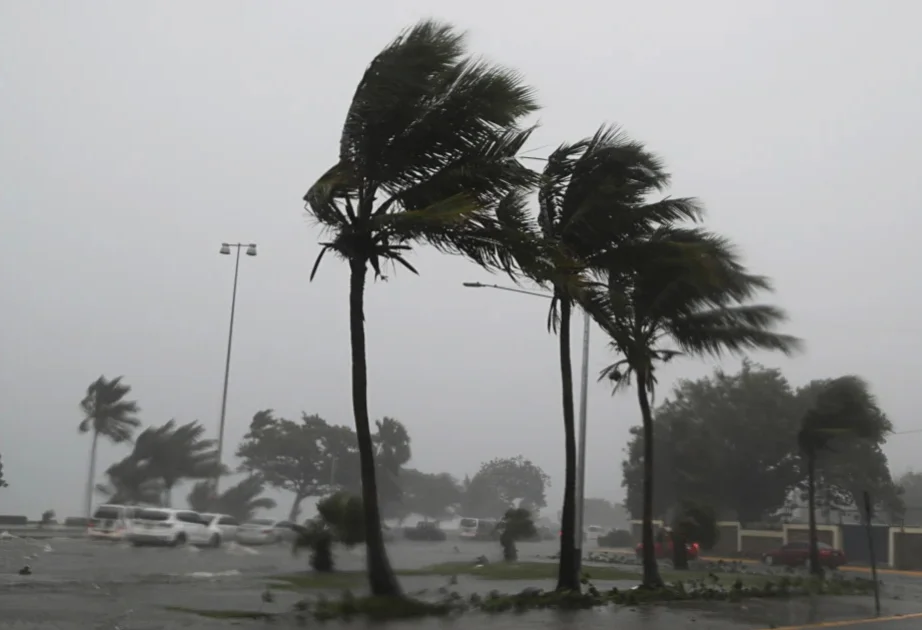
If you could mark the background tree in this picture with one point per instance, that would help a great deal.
(728, 440)
(242, 501)
(293, 456)
(131, 482)
(392, 452)
(840, 411)
(431, 495)
(679, 291)
(515, 525)
(3, 483)
(910, 489)
(427, 150)
(504, 483)
(106, 413)
(174, 452)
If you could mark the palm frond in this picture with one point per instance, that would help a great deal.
(732, 329)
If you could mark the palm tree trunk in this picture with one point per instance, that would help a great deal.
(381, 577)
(651, 576)
(568, 571)
(90, 482)
(295, 507)
(815, 567)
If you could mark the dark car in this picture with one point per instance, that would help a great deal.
(795, 554)
(425, 530)
(664, 550)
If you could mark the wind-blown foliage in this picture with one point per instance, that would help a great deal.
(175, 452)
(842, 410)
(242, 501)
(680, 291)
(3, 483)
(131, 482)
(106, 414)
(427, 152)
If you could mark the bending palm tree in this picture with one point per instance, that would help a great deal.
(173, 453)
(106, 413)
(685, 288)
(588, 208)
(241, 501)
(427, 151)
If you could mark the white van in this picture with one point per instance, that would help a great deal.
(110, 522)
(162, 526)
(593, 532)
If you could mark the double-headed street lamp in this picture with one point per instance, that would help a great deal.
(226, 250)
(583, 395)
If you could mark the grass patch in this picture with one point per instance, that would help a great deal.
(548, 571)
(224, 614)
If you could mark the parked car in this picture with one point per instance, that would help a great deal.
(796, 554)
(663, 550)
(161, 526)
(226, 523)
(265, 531)
(110, 522)
(425, 530)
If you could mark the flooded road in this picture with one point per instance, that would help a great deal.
(81, 585)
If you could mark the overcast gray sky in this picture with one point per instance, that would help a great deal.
(135, 137)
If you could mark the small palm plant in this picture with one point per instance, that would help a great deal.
(515, 525)
(106, 414)
(427, 153)
(340, 519)
(682, 291)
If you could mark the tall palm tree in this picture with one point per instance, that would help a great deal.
(842, 409)
(681, 291)
(588, 201)
(106, 413)
(173, 453)
(241, 501)
(427, 151)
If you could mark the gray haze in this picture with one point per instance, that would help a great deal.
(138, 136)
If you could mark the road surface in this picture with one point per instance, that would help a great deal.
(82, 585)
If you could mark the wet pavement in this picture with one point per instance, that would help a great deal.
(82, 585)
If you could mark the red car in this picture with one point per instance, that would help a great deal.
(664, 550)
(795, 554)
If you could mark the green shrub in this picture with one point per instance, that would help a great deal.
(616, 538)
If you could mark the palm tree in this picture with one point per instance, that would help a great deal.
(131, 482)
(3, 483)
(842, 408)
(427, 151)
(106, 413)
(681, 291)
(588, 196)
(241, 501)
(174, 453)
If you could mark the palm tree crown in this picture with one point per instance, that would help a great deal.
(106, 412)
(427, 151)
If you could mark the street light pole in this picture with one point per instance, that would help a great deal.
(225, 250)
(578, 534)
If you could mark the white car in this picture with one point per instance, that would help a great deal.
(110, 522)
(162, 526)
(264, 531)
(226, 523)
